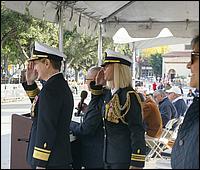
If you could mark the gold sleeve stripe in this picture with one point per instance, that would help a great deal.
(135, 159)
(33, 93)
(96, 92)
(137, 155)
(42, 150)
(40, 155)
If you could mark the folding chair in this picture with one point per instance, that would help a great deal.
(157, 145)
(151, 143)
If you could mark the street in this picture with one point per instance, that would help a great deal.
(7, 109)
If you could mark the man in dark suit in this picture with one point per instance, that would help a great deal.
(51, 112)
(167, 109)
(90, 131)
(175, 96)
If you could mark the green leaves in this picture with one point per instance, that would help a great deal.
(156, 63)
(19, 31)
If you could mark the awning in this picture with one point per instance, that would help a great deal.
(142, 19)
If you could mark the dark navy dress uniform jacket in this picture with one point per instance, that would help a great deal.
(90, 132)
(49, 142)
(123, 143)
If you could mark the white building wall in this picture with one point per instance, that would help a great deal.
(180, 69)
(177, 47)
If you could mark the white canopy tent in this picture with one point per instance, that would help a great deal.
(140, 18)
(165, 37)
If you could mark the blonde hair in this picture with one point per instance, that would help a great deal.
(122, 77)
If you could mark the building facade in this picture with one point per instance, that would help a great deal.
(174, 65)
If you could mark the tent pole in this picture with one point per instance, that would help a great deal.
(61, 30)
(133, 70)
(60, 22)
(100, 45)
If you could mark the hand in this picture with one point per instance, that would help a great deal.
(31, 74)
(84, 107)
(100, 78)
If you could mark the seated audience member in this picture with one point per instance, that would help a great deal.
(166, 108)
(151, 116)
(190, 97)
(180, 87)
(196, 92)
(175, 96)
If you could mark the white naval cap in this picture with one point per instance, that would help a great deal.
(40, 50)
(116, 57)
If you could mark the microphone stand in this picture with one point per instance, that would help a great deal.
(81, 117)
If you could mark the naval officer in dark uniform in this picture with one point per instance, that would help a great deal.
(51, 112)
(124, 142)
(90, 131)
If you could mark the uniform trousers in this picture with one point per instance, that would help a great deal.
(116, 166)
(55, 167)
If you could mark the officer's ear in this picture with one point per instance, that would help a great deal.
(47, 62)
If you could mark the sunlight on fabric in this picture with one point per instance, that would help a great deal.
(165, 32)
(122, 36)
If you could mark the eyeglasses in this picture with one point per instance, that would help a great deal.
(194, 56)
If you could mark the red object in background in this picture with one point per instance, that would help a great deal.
(154, 86)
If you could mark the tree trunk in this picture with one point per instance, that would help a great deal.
(7, 35)
(64, 69)
(76, 75)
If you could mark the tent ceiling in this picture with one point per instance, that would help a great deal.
(142, 19)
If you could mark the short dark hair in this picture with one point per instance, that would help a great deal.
(56, 64)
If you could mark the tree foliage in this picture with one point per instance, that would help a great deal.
(155, 61)
(81, 50)
(19, 31)
(155, 50)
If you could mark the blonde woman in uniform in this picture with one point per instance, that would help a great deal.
(124, 143)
